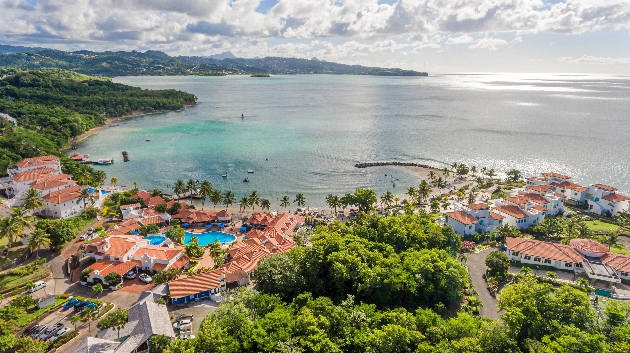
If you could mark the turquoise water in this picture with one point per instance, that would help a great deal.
(210, 237)
(155, 239)
(305, 133)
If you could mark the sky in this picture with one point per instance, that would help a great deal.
(445, 36)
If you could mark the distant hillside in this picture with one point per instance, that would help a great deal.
(157, 63)
(224, 55)
(5, 49)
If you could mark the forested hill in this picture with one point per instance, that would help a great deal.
(156, 63)
(53, 106)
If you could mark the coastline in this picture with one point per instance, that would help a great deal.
(111, 120)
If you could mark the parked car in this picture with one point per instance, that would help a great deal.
(90, 231)
(185, 316)
(83, 236)
(130, 275)
(186, 336)
(79, 305)
(59, 333)
(181, 323)
(70, 303)
(49, 333)
(30, 330)
(37, 286)
(145, 278)
(38, 331)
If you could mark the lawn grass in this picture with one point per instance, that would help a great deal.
(620, 251)
(600, 226)
(30, 317)
(14, 253)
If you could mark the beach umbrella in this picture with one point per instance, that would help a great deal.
(135, 233)
(221, 226)
(185, 224)
(243, 229)
(208, 225)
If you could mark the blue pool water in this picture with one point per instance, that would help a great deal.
(104, 192)
(155, 239)
(210, 237)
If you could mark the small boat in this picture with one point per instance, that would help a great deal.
(105, 161)
(148, 140)
(246, 180)
(224, 174)
(250, 171)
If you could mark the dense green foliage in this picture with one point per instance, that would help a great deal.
(390, 262)
(61, 231)
(53, 106)
(158, 63)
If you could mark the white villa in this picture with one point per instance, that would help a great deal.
(604, 199)
(8, 117)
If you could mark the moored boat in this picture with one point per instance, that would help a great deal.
(105, 161)
(250, 171)
(224, 174)
(246, 180)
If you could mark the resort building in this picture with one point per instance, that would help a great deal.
(159, 258)
(203, 286)
(620, 263)
(131, 211)
(604, 200)
(461, 222)
(581, 256)
(487, 220)
(9, 118)
(518, 216)
(193, 216)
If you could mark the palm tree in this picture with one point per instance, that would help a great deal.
(446, 172)
(179, 188)
(205, 190)
(431, 175)
(254, 199)
(439, 183)
(39, 239)
(113, 181)
(610, 238)
(191, 187)
(412, 193)
(135, 185)
(284, 202)
(473, 170)
(228, 199)
(300, 200)
(244, 204)
(99, 177)
(491, 173)
(333, 201)
(33, 200)
(387, 199)
(87, 315)
(8, 230)
(86, 196)
(265, 204)
(216, 197)
(471, 197)
(424, 190)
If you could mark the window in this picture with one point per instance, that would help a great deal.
(568, 265)
(578, 265)
(625, 274)
(515, 253)
(537, 259)
(547, 261)
(527, 257)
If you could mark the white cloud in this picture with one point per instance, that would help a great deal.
(588, 59)
(459, 40)
(492, 43)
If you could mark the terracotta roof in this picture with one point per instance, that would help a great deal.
(159, 267)
(64, 195)
(556, 175)
(478, 206)
(37, 161)
(536, 198)
(539, 208)
(195, 284)
(235, 276)
(155, 200)
(142, 195)
(224, 214)
(462, 217)
(511, 210)
(614, 197)
(32, 174)
(151, 220)
(130, 206)
(181, 262)
(605, 187)
(495, 215)
(121, 244)
(553, 251)
(559, 195)
(105, 267)
(159, 252)
(50, 184)
(619, 262)
(518, 200)
(198, 216)
(570, 186)
(588, 245)
(543, 189)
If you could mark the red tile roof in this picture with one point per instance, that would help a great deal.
(195, 284)
(159, 252)
(478, 206)
(588, 246)
(614, 197)
(154, 201)
(130, 206)
(198, 216)
(181, 262)
(570, 186)
(495, 215)
(556, 175)
(151, 220)
(553, 251)
(605, 187)
(32, 174)
(511, 210)
(543, 189)
(461, 217)
(145, 196)
(620, 263)
(105, 267)
(50, 184)
(64, 195)
(37, 161)
(540, 208)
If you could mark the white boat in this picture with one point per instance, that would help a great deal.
(105, 161)
(250, 171)
(224, 174)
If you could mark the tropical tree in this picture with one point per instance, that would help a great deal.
(39, 239)
(216, 197)
(88, 315)
(445, 204)
(498, 264)
(424, 190)
(135, 185)
(265, 204)
(431, 175)
(244, 204)
(508, 230)
(33, 200)
(86, 196)
(412, 193)
(176, 233)
(74, 319)
(610, 238)
(387, 199)
(205, 190)
(333, 201)
(228, 199)
(113, 279)
(13, 227)
(284, 202)
(514, 175)
(364, 199)
(99, 177)
(439, 183)
(254, 199)
(471, 197)
(191, 187)
(300, 200)
(491, 173)
(473, 170)
(116, 320)
(550, 227)
(97, 289)
(113, 181)
(446, 172)
(179, 188)
(435, 206)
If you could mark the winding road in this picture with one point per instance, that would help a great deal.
(476, 269)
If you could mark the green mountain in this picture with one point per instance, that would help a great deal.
(157, 63)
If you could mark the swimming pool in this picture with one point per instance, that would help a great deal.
(104, 192)
(155, 239)
(210, 237)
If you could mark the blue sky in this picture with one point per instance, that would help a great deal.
(588, 36)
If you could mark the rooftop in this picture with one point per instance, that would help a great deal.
(614, 197)
(588, 246)
(511, 210)
(605, 187)
(461, 217)
(556, 175)
(536, 248)
(37, 161)
(478, 206)
(195, 284)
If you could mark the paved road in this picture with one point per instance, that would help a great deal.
(476, 268)
(198, 309)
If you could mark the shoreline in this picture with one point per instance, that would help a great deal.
(111, 120)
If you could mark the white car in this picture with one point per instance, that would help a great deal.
(59, 333)
(83, 237)
(181, 323)
(145, 278)
(38, 331)
(48, 333)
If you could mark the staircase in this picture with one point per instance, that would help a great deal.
(17, 200)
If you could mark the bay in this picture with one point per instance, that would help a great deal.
(304, 133)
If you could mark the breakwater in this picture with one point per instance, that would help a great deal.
(401, 164)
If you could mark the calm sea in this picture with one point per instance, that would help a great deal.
(305, 133)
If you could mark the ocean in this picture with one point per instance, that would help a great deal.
(304, 133)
